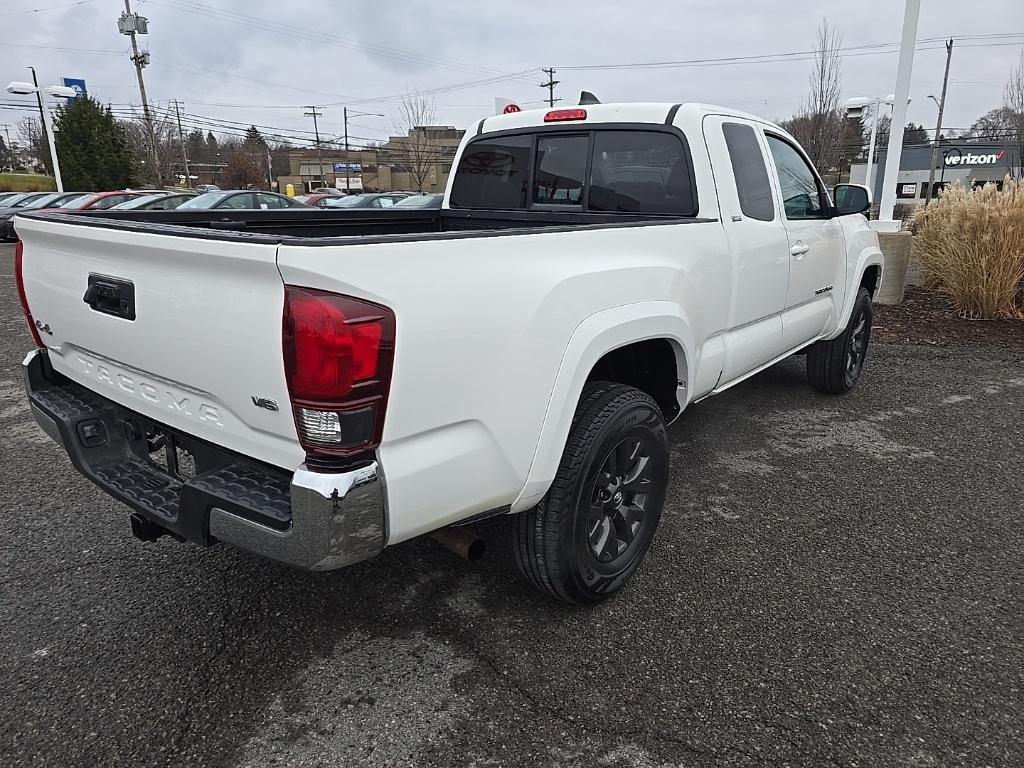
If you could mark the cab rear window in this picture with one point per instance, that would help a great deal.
(603, 171)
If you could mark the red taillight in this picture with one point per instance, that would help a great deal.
(337, 359)
(557, 115)
(19, 279)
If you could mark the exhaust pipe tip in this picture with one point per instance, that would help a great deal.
(462, 542)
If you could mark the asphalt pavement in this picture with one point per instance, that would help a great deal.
(837, 581)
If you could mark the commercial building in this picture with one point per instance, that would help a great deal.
(972, 163)
(420, 160)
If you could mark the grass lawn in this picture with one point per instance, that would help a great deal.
(25, 182)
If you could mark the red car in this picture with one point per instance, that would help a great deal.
(98, 201)
(314, 198)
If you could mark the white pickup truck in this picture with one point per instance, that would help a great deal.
(313, 386)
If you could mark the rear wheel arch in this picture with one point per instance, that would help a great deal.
(656, 366)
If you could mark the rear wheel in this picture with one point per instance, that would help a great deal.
(596, 523)
(835, 366)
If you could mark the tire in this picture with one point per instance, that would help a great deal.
(833, 367)
(591, 531)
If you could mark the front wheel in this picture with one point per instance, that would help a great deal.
(592, 529)
(834, 366)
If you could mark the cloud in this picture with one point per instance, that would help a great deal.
(274, 57)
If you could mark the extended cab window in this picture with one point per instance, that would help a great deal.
(494, 173)
(802, 195)
(750, 172)
(561, 167)
(640, 172)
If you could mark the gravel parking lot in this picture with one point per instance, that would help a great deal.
(836, 581)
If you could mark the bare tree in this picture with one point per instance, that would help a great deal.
(30, 129)
(820, 124)
(416, 151)
(1013, 101)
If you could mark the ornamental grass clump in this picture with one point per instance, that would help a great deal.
(970, 243)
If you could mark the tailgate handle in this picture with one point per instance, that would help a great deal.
(111, 296)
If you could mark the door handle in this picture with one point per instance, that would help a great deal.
(799, 249)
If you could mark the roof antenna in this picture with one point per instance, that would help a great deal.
(586, 97)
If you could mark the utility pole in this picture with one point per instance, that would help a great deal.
(39, 101)
(184, 150)
(550, 85)
(346, 152)
(132, 24)
(315, 112)
(938, 123)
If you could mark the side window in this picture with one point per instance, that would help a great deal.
(561, 166)
(237, 202)
(493, 173)
(269, 201)
(640, 172)
(802, 195)
(750, 172)
(385, 202)
(109, 201)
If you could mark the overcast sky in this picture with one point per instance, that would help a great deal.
(260, 60)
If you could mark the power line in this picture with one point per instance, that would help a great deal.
(47, 8)
(769, 58)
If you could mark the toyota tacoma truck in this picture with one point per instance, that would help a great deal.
(313, 386)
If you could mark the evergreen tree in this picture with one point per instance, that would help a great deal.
(6, 160)
(212, 148)
(914, 134)
(253, 138)
(195, 147)
(93, 148)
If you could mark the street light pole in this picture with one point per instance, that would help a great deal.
(871, 145)
(57, 91)
(347, 164)
(48, 125)
(938, 123)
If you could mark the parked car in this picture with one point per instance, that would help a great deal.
(329, 191)
(315, 199)
(26, 203)
(158, 202)
(201, 188)
(6, 195)
(374, 200)
(519, 351)
(242, 199)
(99, 201)
(427, 201)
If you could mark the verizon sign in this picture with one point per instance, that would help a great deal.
(969, 159)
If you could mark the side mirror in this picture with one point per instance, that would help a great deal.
(851, 198)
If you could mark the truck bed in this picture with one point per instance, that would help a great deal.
(335, 227)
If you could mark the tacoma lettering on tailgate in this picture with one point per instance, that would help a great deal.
(158, 394)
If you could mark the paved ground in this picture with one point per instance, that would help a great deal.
(837, 581)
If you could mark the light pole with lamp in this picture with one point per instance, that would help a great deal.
(942, 176)
(347, 164)
(854, 108)
(57, 92)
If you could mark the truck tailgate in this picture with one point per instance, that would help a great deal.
(184, 330)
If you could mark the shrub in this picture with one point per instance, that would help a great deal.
(970, 244)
